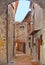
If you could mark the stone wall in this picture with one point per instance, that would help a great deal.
(10, 31)
(43, 33)
(41, 3)
(3, 33)
(3, 37)
(40, 24)
(21, 35)
(36, 17)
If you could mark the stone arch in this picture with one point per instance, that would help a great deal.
(41, 3)
(3, 6)
(20, 46)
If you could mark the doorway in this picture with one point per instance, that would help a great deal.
(24, 47)
(38, 49)
(39, 41)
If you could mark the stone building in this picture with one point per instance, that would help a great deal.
(21, 37)
(6, 32)
(3, 37)
(27, 19)
(3, 9)
(11, 22)
(10, 31)
(36, 30)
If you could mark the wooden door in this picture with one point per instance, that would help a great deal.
(39, 43)
(38, 49)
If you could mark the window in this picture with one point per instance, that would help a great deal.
(22, 27)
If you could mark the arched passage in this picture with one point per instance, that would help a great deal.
(19, 47)
(3, 7)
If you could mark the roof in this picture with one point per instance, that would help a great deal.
(29, 13)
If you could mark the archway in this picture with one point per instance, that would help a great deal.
(19, 47)
(10, 1)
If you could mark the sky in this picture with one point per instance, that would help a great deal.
(22, 10)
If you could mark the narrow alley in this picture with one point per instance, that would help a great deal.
(22, 32)
(24, 60)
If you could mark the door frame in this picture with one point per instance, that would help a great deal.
(39, 42)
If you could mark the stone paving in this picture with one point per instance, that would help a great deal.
(23, 60)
